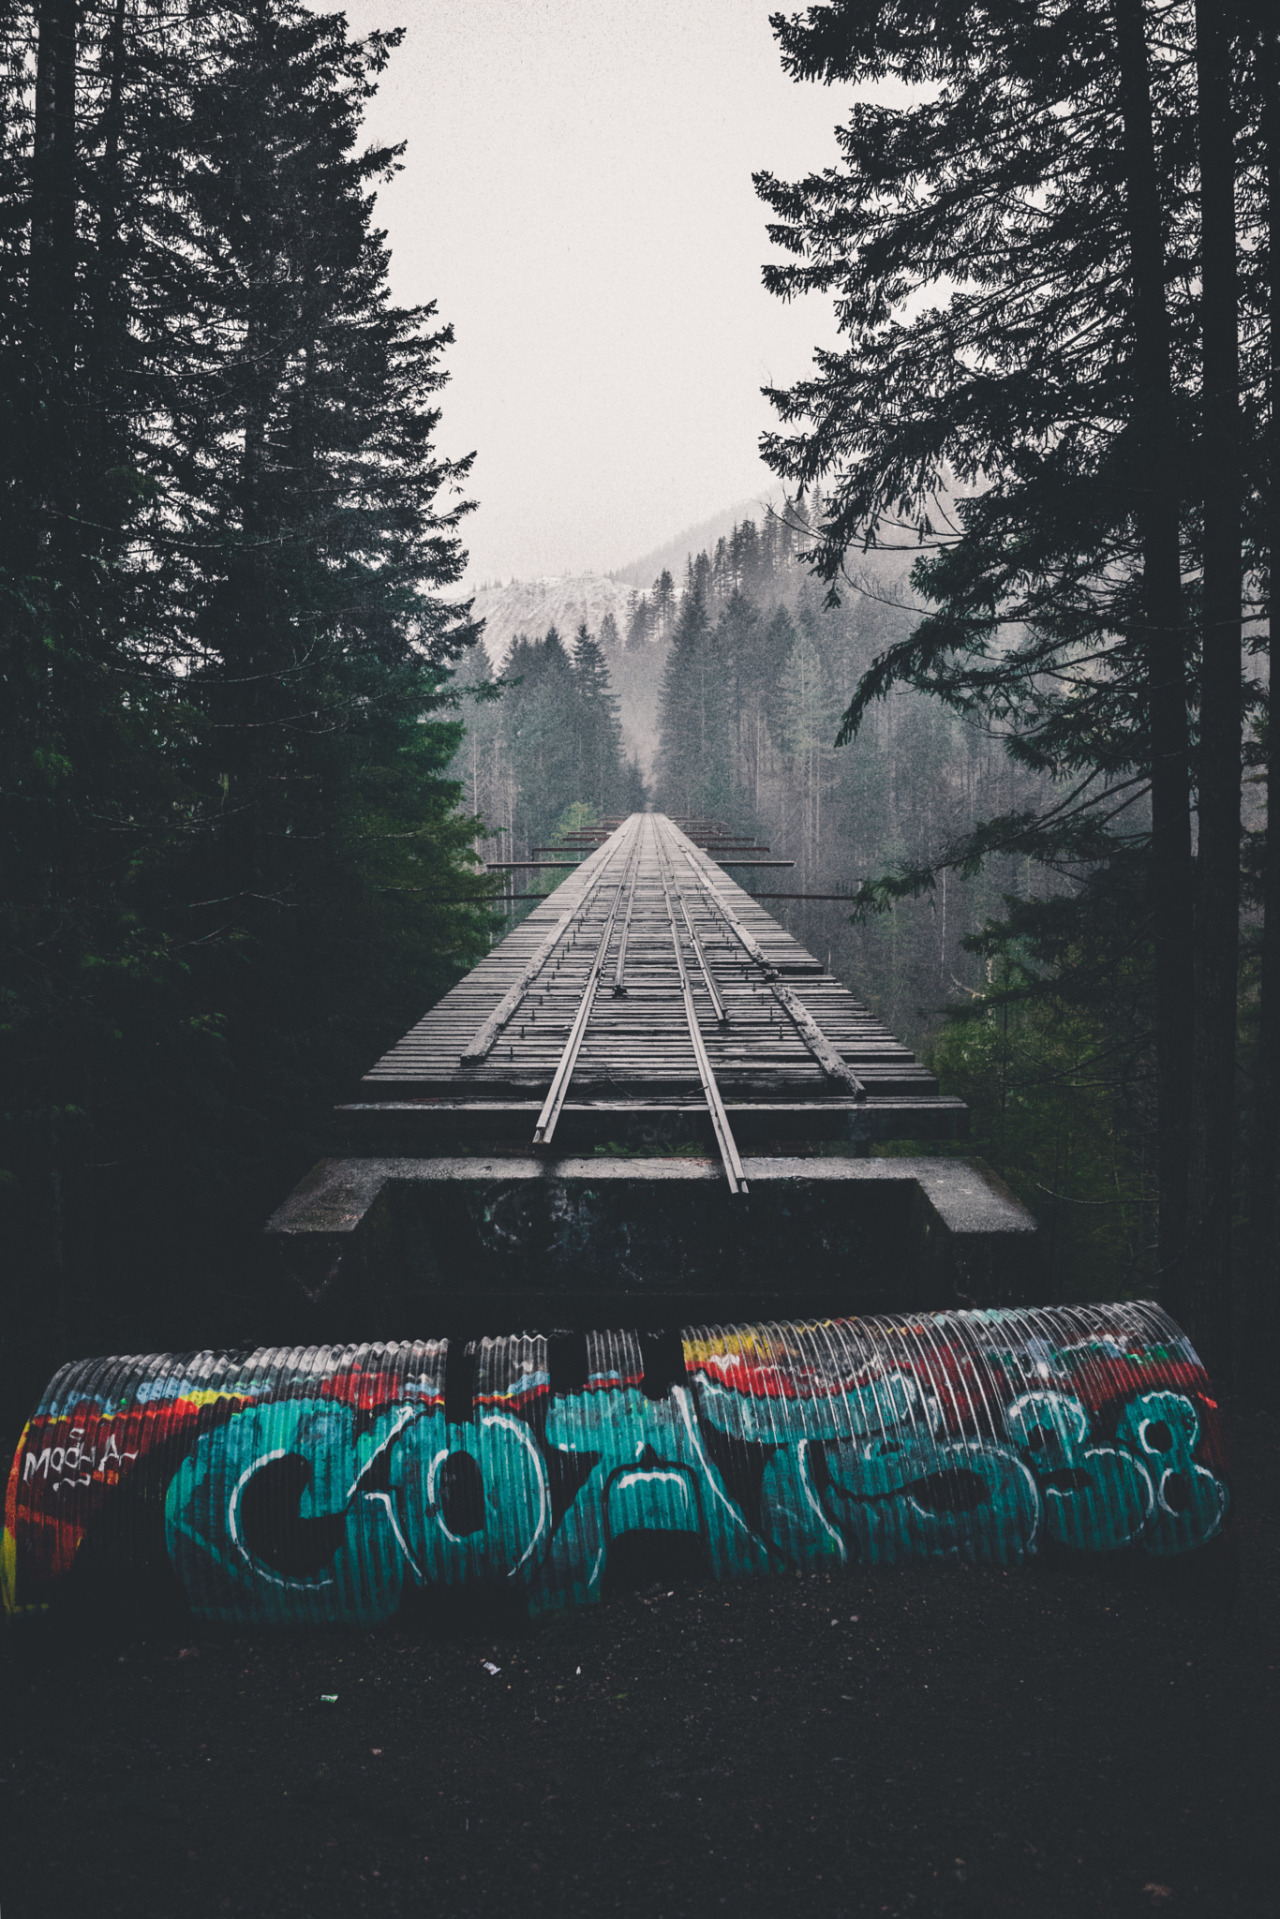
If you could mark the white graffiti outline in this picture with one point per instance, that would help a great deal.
(527, 1440)
(684, 1402)
(233, 1528)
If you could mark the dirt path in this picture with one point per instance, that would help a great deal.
(1056, 1743)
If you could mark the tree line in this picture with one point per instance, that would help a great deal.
(234, 863)
(544, 746)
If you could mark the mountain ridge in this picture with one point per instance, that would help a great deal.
(699, 538)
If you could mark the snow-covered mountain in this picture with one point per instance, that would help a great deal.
(531, 606)
(564, 600)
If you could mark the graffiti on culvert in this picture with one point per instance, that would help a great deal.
(328, 1485)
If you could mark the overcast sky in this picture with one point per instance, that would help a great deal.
(577, 198)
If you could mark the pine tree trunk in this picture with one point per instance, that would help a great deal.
(53, 178)
(1265, 1170)
(1164, 649)
(1221, 709)
(51, 293)
(107, 326)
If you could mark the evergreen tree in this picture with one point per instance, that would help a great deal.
(640, 625)
(662, 606)
(693, 762)
(755, 652)
(1055, 387)
(722, 575)
(482, 765)
(808, 721)
(226, 716)
(542, 731)
(312, 620)
(80, 770)
(745, 557)
(598, 733)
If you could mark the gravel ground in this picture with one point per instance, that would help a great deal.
(1060, 1742)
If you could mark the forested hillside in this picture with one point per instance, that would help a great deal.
(542, 737)
(760, 672)
(733, 682)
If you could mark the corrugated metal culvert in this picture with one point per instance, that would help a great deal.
(327, 1484)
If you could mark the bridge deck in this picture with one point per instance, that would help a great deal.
(649, 980)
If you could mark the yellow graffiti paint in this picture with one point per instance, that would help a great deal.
(8, 1571)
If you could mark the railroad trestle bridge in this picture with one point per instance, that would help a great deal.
(650, 1092)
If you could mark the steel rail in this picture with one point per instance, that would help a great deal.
(733, 1172)
(722, 1018)
(620, 968)
(557, 1092)
(828, 1058)
(731, 920)
(485, 1036)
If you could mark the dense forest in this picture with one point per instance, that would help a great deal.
(1016, 701)
(993, 676)
(544, 740)
(759, 674)
(233, 864)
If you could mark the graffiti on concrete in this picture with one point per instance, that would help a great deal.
(326, 1485)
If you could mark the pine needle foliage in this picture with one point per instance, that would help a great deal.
(236, 865)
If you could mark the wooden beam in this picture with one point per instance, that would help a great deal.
(483, 1040)
(715, 1105)
(812, 1034)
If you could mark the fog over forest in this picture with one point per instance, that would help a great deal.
(727, 675)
